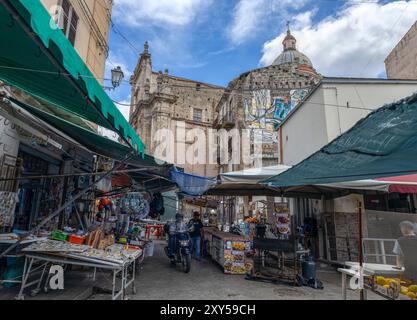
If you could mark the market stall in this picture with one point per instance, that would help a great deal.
(228, 250)
(119, 259)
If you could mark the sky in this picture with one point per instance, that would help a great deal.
(214, 41)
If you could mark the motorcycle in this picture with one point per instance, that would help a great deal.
(180, 242)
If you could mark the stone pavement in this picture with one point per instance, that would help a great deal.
(157, 280)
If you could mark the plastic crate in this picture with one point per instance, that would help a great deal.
(74, 239)
(59, 235)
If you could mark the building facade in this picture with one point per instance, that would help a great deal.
(330, 110)
(401, 63)
(185, 108)
(86, 24)
(259, 100)
(23, 147)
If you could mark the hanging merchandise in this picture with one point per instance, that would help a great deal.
(8, 201)
(283, 219)
(134, 204)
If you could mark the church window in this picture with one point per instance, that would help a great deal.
(197, 115)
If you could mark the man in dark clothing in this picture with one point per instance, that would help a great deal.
(406, 251)
(196, 227)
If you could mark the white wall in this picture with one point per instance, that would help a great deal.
(358, 96)
(305, 132)
(314, 125)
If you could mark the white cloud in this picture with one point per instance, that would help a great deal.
(158, 12)
(250, 16)
(355, 42)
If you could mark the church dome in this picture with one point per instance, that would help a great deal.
(290, 54)
(294, 57)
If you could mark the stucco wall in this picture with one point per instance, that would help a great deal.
(401, 63)
(305, 132)
(314, 125)
(91, 48)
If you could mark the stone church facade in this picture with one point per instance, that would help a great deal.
(259, 100)
(163, 101)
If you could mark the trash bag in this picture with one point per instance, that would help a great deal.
(13, 272)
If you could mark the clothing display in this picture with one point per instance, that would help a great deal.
(8, 201)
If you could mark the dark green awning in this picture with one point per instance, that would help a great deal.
(92, 141)
(384, 144)
(66, 82)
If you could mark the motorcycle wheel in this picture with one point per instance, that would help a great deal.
(186, 263)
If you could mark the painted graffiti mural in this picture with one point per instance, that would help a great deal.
(264, 112)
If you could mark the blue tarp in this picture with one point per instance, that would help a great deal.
(192, 185)
(381, 145)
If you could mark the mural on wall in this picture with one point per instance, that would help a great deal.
(260, 115)
(262, 112)
(284, 105)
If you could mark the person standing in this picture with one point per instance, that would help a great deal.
(196, 227)
(406, 250)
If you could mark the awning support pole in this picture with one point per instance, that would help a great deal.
(361, 282)
(70, 202)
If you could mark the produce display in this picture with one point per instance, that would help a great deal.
(252, 220)
(235, 256)
(394, 288)
(229, 250)
(282, 219)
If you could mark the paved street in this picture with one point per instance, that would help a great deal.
(158, 281)
(206, 281)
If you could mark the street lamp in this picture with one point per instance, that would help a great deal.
(117, 76)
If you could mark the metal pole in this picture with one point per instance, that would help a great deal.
(73, 199)
(361, 292)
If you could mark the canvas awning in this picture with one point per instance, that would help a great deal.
(92, 141)
(249, 183)
(155, 174)
(381, 145)
(39, 60)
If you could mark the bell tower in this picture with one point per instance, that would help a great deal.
(289, 43)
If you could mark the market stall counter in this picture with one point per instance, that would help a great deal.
(119, 259)
(382, 279)
(228, 250)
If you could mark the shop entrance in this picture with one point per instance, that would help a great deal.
(36, 196)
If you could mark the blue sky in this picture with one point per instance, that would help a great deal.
(216, 40)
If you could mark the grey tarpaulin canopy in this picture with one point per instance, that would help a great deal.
(248, 182)
(381, 145)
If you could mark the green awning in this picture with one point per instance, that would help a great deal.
(24, 64)
(92, 141)
(384, 144)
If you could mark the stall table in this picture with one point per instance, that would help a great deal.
(125, 268)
